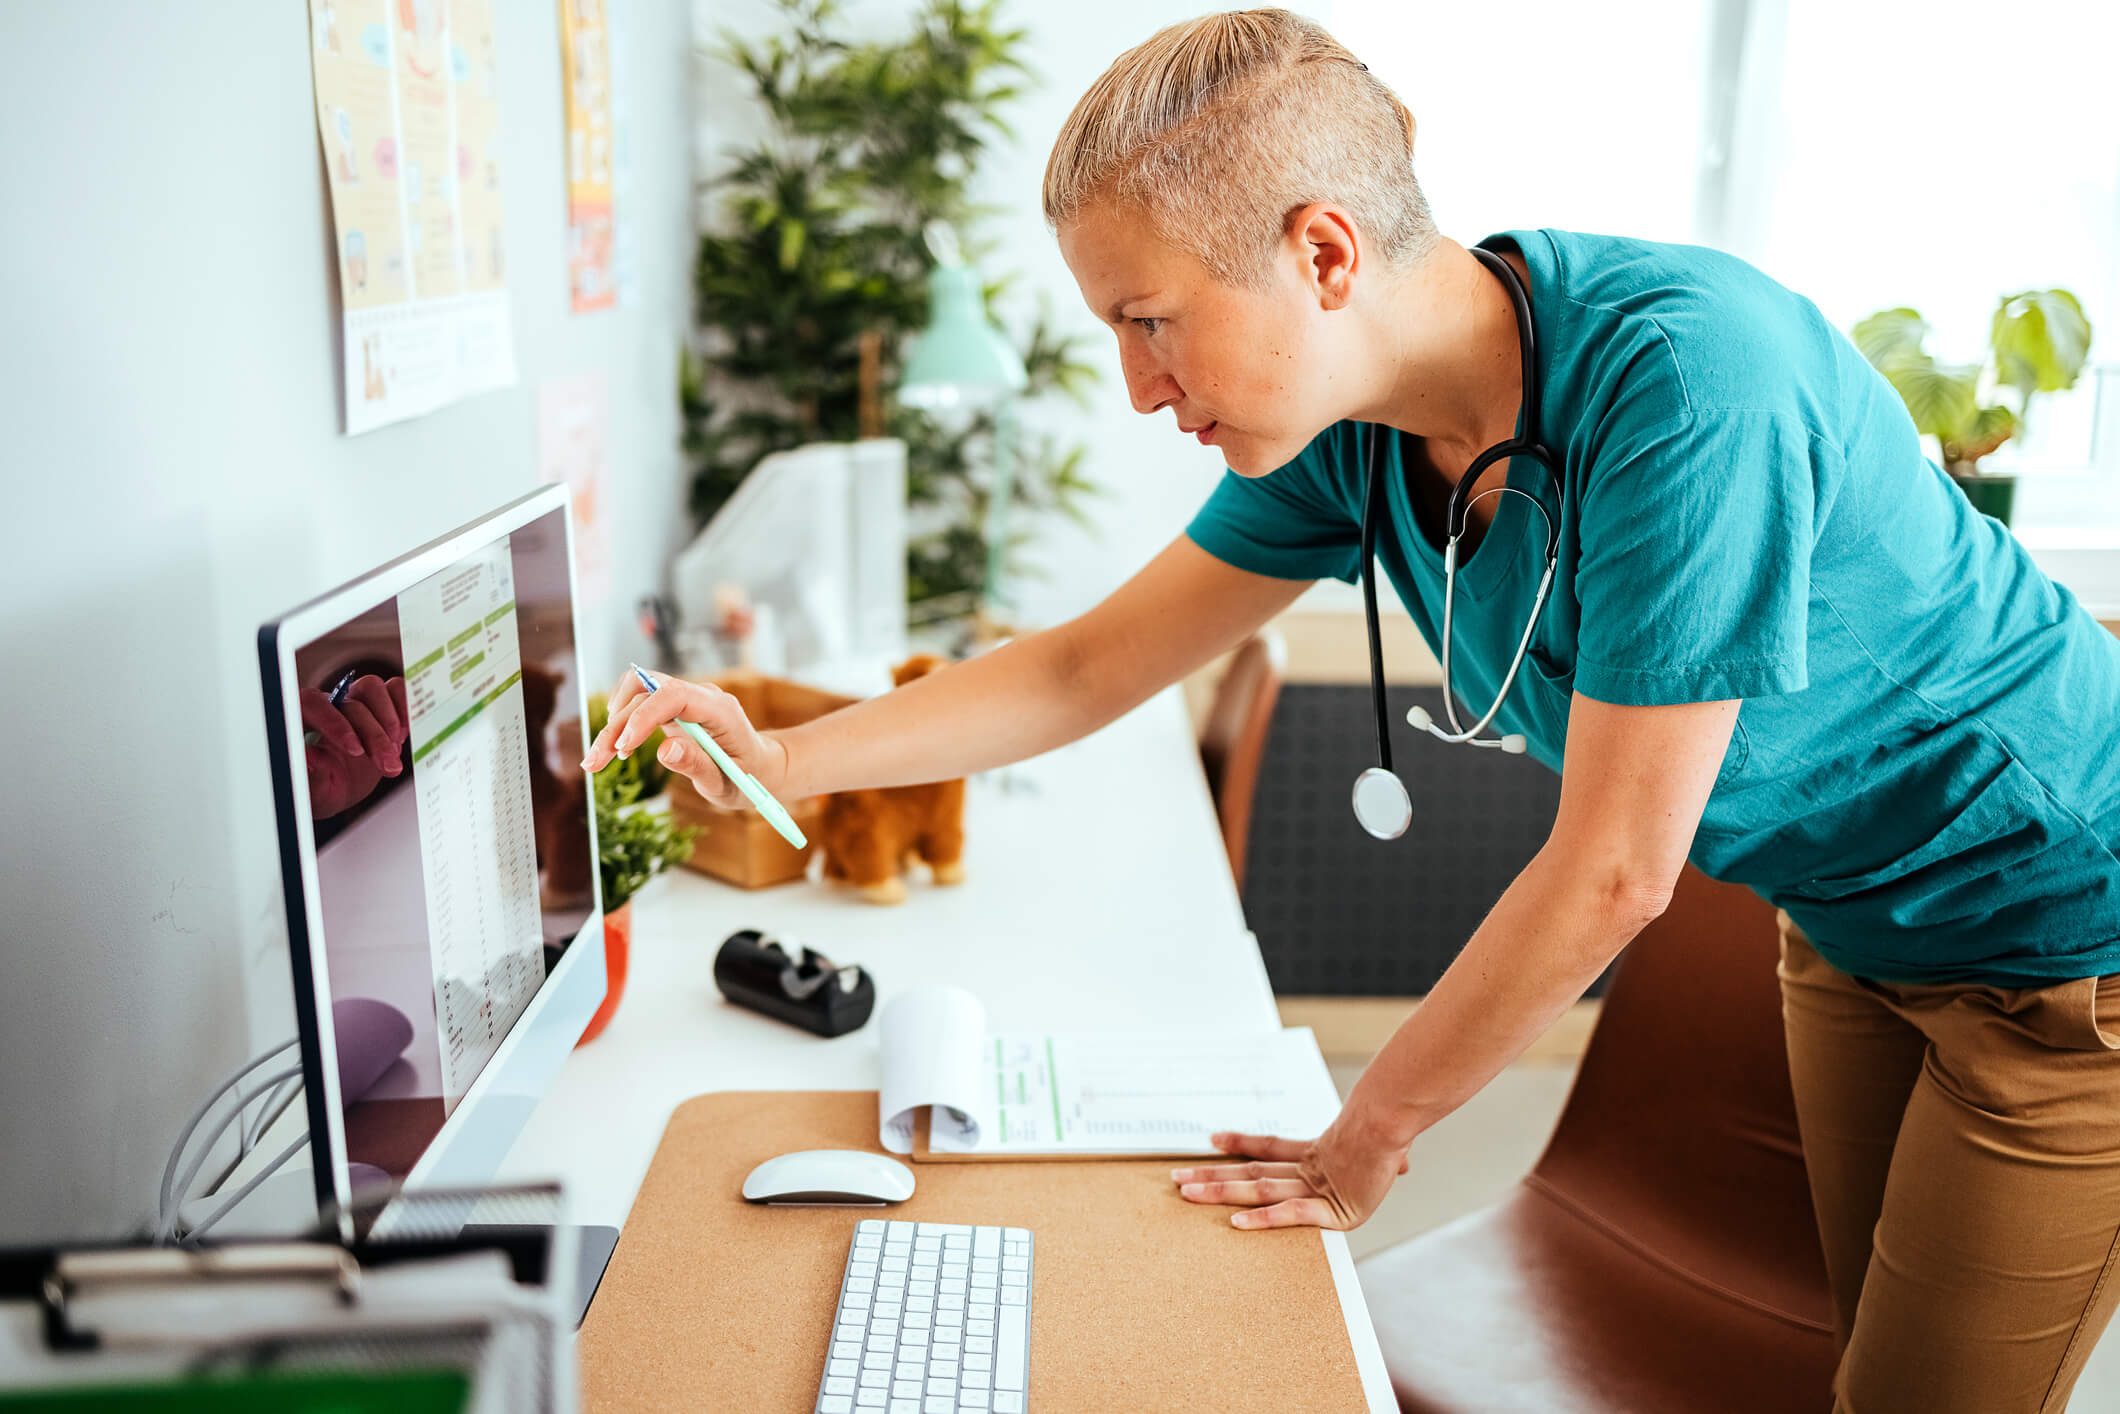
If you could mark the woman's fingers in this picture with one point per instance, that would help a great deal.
(377, 743)
(1223, 1173)
(1260, 1146)
(1295, 1212)
(327, 722)
(683, 755)
(619, 706)
(372, 694)
(1249, 1192)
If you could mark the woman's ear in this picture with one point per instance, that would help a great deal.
(1324, 240)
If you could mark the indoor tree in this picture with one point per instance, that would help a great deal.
(817, 248)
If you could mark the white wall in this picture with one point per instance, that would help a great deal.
(174, 473)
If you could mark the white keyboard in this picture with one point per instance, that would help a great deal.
(932, 1319)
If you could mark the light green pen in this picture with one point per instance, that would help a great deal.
(758, 795)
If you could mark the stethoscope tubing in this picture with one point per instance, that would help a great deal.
(1462, 499)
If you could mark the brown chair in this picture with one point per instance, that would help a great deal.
(1233, 738)
(1662, 1255)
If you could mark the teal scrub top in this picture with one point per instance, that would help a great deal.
(1925, 771)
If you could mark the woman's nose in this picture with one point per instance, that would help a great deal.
(1150, 389)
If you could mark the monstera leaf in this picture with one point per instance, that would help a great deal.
(1890, 336)
(1944, 399)
(2041, 340)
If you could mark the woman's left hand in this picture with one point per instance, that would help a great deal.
(1336, 1180)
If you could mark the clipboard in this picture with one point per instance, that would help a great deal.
(1142, 1300)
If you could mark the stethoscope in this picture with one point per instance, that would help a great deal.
(1381, 803)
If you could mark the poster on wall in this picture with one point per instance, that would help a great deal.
(585, 44)
(574, 446)
(408, 110)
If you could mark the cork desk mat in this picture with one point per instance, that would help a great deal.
(1139, 1300)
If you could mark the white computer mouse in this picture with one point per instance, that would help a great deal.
(836, 1176)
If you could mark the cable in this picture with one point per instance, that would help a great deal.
(245, 1191)
(268, 1111)
(176, 1153)
(166, 1221)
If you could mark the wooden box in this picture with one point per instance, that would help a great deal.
(738, 846)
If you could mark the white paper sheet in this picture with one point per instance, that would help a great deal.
(931, 1042)
(1089, 1092)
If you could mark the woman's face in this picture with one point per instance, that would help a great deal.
(1250, 372)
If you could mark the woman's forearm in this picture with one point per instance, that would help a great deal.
(1027, 696)
(1553, 931)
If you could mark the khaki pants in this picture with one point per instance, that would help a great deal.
(1964, 1152)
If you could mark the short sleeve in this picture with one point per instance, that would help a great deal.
(1296, 522)
(1694, 579)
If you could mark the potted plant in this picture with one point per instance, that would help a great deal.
(2038, 342)
(634, 843)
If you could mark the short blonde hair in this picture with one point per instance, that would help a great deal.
(1218, 128)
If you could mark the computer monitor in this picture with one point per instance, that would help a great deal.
(438, 849)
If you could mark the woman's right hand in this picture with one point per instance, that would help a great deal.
(637, 712)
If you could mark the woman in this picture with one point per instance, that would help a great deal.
(1777, 641)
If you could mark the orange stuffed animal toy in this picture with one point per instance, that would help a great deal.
(869, 836)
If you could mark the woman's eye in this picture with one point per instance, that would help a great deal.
(1149, 325)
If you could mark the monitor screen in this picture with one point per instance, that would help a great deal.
(453, 864)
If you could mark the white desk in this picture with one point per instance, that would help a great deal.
(1097, 893)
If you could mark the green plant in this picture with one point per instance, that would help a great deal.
(2038, 342)
(633, 845)
(821, 243)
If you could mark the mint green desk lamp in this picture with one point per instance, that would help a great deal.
(962, 360)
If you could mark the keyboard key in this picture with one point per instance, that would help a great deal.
(938, 1404)
(977, 1379)
(1015, 1348)
(878, 1373)
(836, 1385)
(973, 1399)
(906, 1406)
(986, 1242)
(1007, 1402)
(978, 1327)
(978, 1345)
(905, 1389)
(842, 1367)
(845, 1349)
(1012, 1296)
(835, 1404)
(868, 1399)
(979, 1362)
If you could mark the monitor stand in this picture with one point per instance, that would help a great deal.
(594, 1244)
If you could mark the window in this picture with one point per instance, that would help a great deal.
(1551, 113)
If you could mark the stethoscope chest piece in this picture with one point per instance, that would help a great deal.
(1381, 803)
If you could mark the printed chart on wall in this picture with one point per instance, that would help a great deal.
(585, 40)
(478, 843)
(408, 109)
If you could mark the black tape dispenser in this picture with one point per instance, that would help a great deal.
(790, 983)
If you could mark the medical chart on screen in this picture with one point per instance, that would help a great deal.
(471, 776)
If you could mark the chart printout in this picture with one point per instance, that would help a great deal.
(1145, 1094)
(471, 772)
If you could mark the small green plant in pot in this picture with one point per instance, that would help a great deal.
(2038, 342)
(633, 845)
